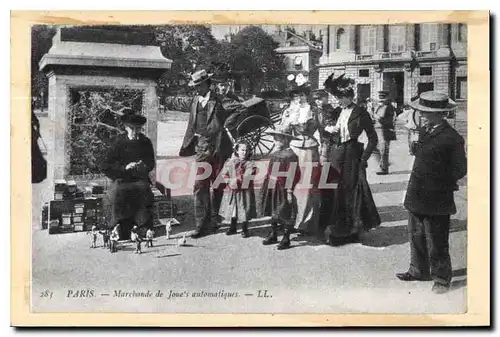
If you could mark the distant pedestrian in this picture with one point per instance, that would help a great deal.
(440, 161)
(238, 201)
(384, 125)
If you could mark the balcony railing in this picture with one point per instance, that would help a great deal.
(391, 55)
(365, 57)
(428, 53)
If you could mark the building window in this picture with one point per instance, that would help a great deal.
(423, 87)
(397, 38)
(367, 40)
(428, 36)
(364, 72)
(462, 32)
(425, 71)
(462, 87)
(298, 63)
(341, 39)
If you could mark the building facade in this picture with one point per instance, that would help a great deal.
(402, 59)
(301, 54)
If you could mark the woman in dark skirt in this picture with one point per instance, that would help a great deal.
(128, 164)
(277, 199)
(354, 210)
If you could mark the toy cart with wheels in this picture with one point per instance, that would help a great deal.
(249, 124)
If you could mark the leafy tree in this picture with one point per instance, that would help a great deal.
(254, 56)
(41, 41)
(189, 47)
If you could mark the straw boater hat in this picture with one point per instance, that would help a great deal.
(199, 77)
(282, 131)
(432, 101)
(131, 118)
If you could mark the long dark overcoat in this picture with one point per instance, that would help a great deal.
(130, 196)
(214, 141)
(353, 205)
(440, 161)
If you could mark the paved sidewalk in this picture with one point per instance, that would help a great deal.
(310, 277)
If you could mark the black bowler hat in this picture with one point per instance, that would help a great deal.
(133, 119)
(432, 101)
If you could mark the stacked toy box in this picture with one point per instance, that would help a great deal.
(74, 208)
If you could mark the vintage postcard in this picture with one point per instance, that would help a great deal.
(235, 168)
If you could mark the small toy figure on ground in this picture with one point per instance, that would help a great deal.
(93, 236)
(238, 201)
(114, 237)
(106, 233)
(149, 237)
(134, 236)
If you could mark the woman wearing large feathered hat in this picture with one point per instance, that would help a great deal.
(354, 210)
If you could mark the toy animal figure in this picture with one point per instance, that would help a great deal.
(105, 237)
(134, 237)
(93, 233)
(182, 241)
(168, 229)
(114, 237)
(149, 237)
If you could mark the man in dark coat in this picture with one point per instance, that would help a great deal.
(384, 125)
(38, 162)
(440, 162)
(207, 140)
(128, 163)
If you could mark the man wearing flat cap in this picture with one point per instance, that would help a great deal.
(206, 139)
(128, 163)
(384, 125)
(440, 161)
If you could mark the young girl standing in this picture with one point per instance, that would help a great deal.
(238, 201)
(276, 194)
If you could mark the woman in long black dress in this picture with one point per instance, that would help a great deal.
(128, 164)
(354, 210)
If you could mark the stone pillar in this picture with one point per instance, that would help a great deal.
(444, 35)
(332, 36)
(95, 60)
(352, 37)
(325, 41)
(443, 40)
(410, 37)
(381, 37)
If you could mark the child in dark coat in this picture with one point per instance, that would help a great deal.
(238, 201)
(277, 199)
